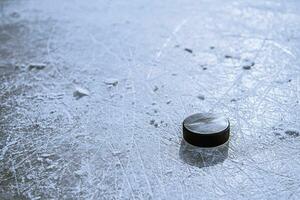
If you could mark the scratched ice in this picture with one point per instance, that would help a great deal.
(162, 61)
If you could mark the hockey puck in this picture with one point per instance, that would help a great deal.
(206, 129)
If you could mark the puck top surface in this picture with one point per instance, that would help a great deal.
(206, 129)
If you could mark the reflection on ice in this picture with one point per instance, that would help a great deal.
(203, 157)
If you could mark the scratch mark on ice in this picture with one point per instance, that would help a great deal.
(283, 48)
(166, 43)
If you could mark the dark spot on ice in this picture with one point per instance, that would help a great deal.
(174, 74)
(14, 15)
(155, 111)
(188, 50)
(203, 67)
(212, 47)
(201, 97)
(232, 57)
(290, 80)
(292, 133)
(36, 66)
(248, 67)
(168, 102)
(177, 46)
(281, 138)
(227, 56)
(155, 88)
(233, 100)
(248, 64)
(153, 103)
(152, 121)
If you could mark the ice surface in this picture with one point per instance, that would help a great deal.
(242, 56)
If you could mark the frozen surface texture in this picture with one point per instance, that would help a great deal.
(93, 94)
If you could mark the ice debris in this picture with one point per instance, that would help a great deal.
(111, 82)
(188, 50)
(36, 66)
(247, 64)
(201, 97)
(80, 92)
(292, 133)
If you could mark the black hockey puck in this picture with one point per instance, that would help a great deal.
(206, 129)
